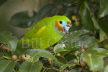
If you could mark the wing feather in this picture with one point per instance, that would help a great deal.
(35, 30)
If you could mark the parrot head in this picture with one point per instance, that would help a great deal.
(62, 24)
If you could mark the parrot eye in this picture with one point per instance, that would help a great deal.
(60, 22)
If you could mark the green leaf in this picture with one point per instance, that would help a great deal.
(63, 67)
(94, 44)
(1, 55)
(103, 36)
(103, 53)
(99, 49)
(86, 5)
(87, 40)
(73, 36)
(68, 49)
(22, 19)
(94, 62)
(20, 49)
(72, 70)
(71, 40)
(59, 48)
(96, 25)
(7, 65)
(103, 22)
(70, 57)
(103, 8)
(6, 38)
(90, 50)
(61, 59)
(86, 18)
(37, 53)
(31, 67)
(106, 69)
(57, 63)
(51, 70)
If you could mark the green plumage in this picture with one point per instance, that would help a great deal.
(44, 33)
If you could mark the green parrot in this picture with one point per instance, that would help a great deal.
(46, 32)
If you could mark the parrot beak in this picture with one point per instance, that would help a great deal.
(66, 29)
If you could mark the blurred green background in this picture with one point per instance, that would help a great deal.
(10, 7)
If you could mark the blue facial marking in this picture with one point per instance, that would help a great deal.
(62, 23)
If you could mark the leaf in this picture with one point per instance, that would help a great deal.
(103, 53)
(103, 36)
(7, 65)
(96, 25)
(99, 49)
(86, 5)
(51, 70)
(90, 50)
(103, 22)
(6, 38)
(70, 57)
(31, 67)
(86, 18)
(22, 19)
(20, 49)
(94, 44)
(87, 40)
(61, 59)
(57, 63)
(59, 48)
(106, 69)
(71, 40)
(94, 62)
(63, 67)
(72, 70)
(1, 55)
(73, 36)
(37, 53)
(103, 8)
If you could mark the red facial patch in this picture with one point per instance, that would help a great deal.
(69, 23)
(58, 26)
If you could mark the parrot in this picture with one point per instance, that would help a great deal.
(47, 31)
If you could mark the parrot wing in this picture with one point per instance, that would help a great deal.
(35, 30)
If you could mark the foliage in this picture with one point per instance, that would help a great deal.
(83, 49)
